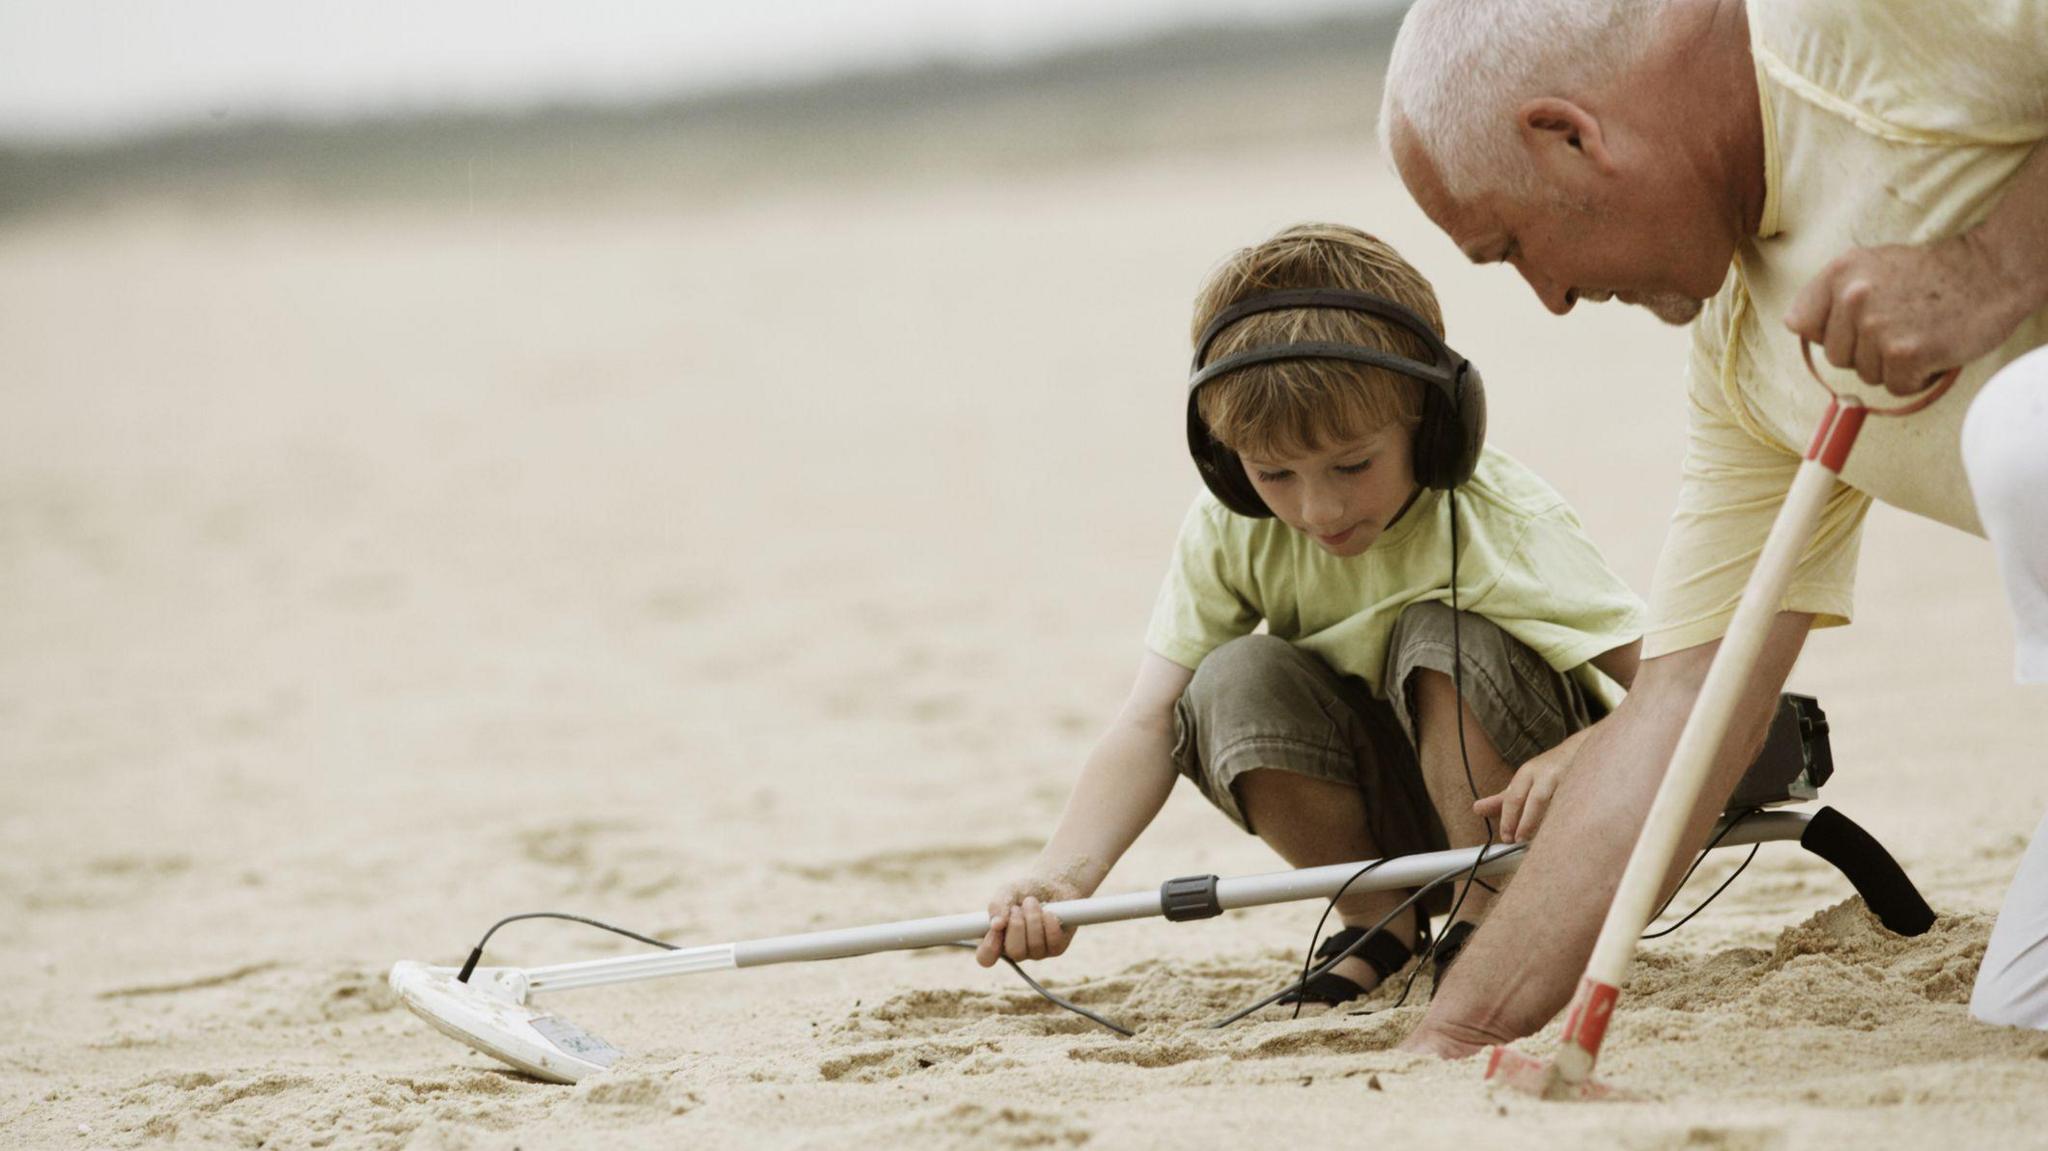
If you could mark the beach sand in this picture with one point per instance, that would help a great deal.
(741, 566)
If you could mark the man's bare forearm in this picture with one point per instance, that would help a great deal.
(2014, 237)
(1522, 965)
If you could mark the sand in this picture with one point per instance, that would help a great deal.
(738, 567)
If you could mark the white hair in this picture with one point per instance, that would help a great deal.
(1460, 68)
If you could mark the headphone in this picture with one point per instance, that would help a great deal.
(1447, 440)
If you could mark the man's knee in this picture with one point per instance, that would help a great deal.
(2011, 997)
(2005, 441)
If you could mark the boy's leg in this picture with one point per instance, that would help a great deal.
(1311, 822)
(1451, 790)
(1273, 739)
(1514, 708)
(2005, 452)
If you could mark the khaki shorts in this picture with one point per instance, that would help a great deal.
(1262, 703)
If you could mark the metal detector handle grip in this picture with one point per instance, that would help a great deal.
(1870, 869)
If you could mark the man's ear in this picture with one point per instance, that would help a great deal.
(1556, 131)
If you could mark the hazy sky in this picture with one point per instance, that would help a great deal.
(90, 68)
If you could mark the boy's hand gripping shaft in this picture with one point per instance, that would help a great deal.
(1569, 1074)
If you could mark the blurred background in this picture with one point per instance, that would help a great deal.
(697, 465)
(705, 465)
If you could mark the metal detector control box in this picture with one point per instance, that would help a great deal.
(1795, 761)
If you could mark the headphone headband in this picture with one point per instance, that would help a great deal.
(1437, 374)
(1447, 361)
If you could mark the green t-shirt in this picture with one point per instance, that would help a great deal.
(1524, 562)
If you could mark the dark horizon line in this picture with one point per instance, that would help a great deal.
(1203, 46)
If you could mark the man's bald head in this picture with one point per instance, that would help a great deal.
(1606, 149)
(1462, 68)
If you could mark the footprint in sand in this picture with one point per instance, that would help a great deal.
(917, 864)
(662, 1093)
(973, 1124)
(103, 881)
(594, 856)
(895, 1060)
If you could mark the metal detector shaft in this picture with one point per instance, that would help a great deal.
(1231, 894)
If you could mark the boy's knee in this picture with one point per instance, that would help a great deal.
(1246, 660)
(1520, 704)
(1429, 619)
(2005, 442)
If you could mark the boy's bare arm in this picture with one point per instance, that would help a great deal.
(1124, 782)
(1521, 966)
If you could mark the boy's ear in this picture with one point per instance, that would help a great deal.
(1559, 133)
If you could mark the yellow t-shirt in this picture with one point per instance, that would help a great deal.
(1885, 122)
(1524, 562)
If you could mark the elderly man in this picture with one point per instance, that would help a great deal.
(1862, 173)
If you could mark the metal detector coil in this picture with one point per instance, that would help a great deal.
(490, 1014)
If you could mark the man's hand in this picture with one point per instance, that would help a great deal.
(1519, 806)
(1903, 314)
(1020, 927)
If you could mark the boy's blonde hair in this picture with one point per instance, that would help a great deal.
(1297, 407)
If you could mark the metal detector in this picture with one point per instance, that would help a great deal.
(489, 1008)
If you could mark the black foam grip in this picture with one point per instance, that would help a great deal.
(1877, 877)
(1189, 897)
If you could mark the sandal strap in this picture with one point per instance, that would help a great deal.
(1383, 953)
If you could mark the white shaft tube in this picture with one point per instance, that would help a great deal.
(1244, 891)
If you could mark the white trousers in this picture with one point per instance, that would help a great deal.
(2005, 452)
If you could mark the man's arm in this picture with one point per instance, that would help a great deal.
(1621, 663)
(1521, 966)
(1903, 313)
(1521, 804)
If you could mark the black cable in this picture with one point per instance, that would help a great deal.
(1731, 825)
(1471, 785)
(1413, 898)
(1464, 757)
(1308, 957)
(1709, 899)
(1076, 1008)
(476, 954)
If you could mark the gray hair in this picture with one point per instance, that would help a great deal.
(1460, 68)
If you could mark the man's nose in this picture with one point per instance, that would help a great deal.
(1555, 296)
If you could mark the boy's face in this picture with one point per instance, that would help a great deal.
(1341, 495)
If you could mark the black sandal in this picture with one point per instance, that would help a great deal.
(1383, 953)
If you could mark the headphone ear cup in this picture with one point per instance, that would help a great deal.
(1450, 436)
(1470, 425)
(1432, 441)
(1221, 470)
(1224, 473)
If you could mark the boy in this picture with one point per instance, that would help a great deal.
(1334, 736)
